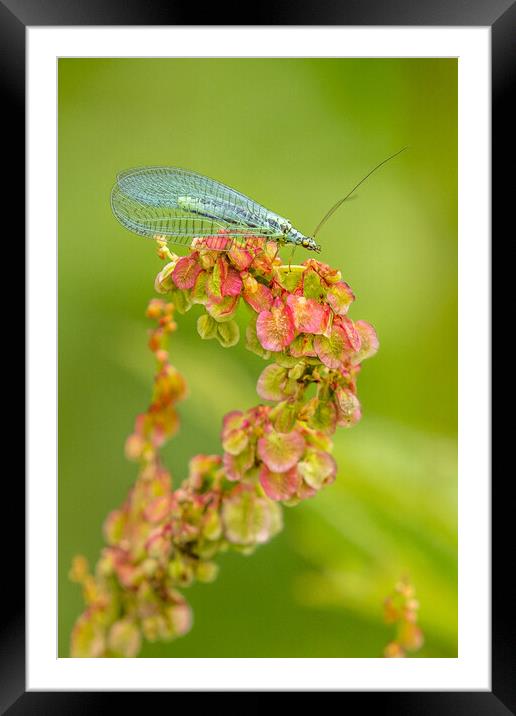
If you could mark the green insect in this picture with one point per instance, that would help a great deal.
(183, 206)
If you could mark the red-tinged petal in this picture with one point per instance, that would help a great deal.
(318, 439)
(215, 279)
(224, 281)
(321, 414)
(180, 618)
(250, 283)
(114, 526)
(393, 651)
(240, 258)
(258, 296)
(304, 491)
(234, 437)
(88, 637)
(327, 321)
(302, 345)
(124, 638)
(211, 525)
(309, 315)
(199, 291)
(218, 242)
(164, 282)
(223, 310)
(348, 406)
(186, 271)
(134, 446)
(158, 509)
(285, 415)
(271, 251)
(231, 421)
(410, 636)
(281, 451)
(249, 519)
(79, 569)
(275, 328)
(326, 272)
(158, 543)
(352, 335)
(368, 339)
(252, 343)
(340, 296)
(200, 467)
(232, 283)
(271, 383)
(262, 262)
(330, 351)
(236, 466)
(127, 574)
(279, 485)
(235, 442)
(317, 468)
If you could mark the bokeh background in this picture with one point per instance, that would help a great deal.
(296, 135)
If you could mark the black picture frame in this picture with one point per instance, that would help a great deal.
(15, 17)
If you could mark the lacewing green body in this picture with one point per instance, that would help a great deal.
(183, 206)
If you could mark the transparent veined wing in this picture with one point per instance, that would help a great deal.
(181, 205)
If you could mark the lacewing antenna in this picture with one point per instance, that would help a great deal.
(341, 201)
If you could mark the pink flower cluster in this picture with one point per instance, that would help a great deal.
(161, 539)
(301, 310)
(289, 466)
(299, 318)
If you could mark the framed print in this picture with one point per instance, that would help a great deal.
(258, 353)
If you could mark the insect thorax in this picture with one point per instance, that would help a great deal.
(294, 236)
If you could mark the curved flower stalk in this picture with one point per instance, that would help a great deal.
(162, 538)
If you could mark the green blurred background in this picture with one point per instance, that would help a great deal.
(296, 135)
